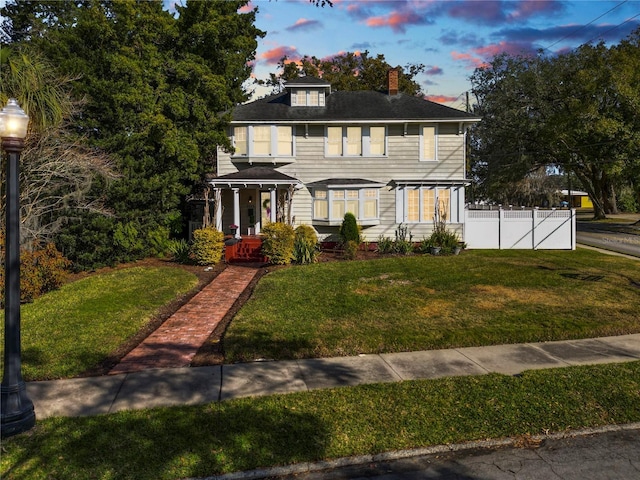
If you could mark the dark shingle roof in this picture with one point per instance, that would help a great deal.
(307, 81)
(349, 106)
(255, 174)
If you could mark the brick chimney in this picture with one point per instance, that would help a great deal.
(392, 81)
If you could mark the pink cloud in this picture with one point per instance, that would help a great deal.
(304, 24)
(246, 8)
(434, 70)
(274, 55)
(396, 20)
(481, 55)
(440, 98)
(512, 48)
(470, 60)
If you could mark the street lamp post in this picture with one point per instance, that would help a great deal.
(16, 409)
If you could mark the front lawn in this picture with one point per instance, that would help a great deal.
(71, 330)
(418, 303)
(187, 442)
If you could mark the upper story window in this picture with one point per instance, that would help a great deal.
(307, 98)
(263, 141)
(354, 141)
(429, 143)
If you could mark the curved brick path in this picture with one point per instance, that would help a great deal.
(176, 341)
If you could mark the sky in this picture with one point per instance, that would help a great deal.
(451, 38)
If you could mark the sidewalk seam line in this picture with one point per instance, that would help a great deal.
(115, 397)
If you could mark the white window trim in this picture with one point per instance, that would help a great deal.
(365, 138)
(274, 142)
(435, 139)
(294, 97)
(361, 205)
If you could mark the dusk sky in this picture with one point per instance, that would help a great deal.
(450, 37)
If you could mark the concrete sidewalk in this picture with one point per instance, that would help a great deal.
(191, 386)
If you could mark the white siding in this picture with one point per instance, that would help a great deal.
(402, 162)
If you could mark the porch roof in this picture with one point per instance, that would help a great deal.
(253, 177)
(431, 182)
(332, 183)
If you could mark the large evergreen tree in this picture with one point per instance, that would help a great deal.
(153, 86)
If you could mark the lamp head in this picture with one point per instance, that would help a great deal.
(13, 121)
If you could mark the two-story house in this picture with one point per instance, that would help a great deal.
(310, 154)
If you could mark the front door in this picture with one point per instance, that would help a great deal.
(265, 207)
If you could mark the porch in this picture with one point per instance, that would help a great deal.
(246, 200)
(244, 249)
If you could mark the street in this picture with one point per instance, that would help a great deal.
(617, 237)
(608, 455)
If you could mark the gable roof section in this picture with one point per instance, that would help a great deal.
(350, 106)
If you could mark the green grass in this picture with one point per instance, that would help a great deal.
(71, 330)
(419, 303)
(174, 443)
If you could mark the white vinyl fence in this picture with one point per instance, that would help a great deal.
(523, 229)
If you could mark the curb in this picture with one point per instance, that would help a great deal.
(312, 467)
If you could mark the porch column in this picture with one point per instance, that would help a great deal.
(236, 210)
(273, 197)
(217, 195)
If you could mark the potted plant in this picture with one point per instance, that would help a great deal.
(234, 228)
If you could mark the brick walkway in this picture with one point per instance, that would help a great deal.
(176, 341)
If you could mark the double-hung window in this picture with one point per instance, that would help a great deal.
(240, 140)
(377, 140)
(263, 141)
(307, 98)
(356, 141)
(429, 143)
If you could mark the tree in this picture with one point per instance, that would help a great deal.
(348, 71)
(571, 112)
(57, 170)
(154, 87)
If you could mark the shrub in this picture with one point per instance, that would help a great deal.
(305, 247)
(385, 245)
(127, 241)
(180, 251)
(159, 243)
(350, 250)
(42, 270)
(278, 243)
(403, 245)
(440, 237)
(349, 231)
(207, 246)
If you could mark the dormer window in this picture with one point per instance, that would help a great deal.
(308, 92)
(307, 98)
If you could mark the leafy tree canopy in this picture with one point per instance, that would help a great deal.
(348, 71)
(572, 112)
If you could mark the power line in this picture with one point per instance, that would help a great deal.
(586, 25)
